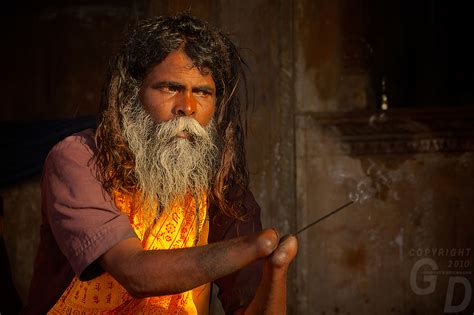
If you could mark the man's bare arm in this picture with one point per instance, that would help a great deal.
(146, 273)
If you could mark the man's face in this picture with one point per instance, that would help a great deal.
(168, 167)
(175, 87)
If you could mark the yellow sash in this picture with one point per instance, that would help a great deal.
(104, 295)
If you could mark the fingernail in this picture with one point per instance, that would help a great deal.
(276, 232)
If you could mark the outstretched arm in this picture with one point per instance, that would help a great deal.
(146, 273)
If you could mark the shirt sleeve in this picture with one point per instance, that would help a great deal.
(238, 289)
(83, 218)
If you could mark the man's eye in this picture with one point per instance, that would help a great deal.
(202, 93)
(170, 89)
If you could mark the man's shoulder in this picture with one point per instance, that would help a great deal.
(245, 204)
(245, 198)
(79, 144)
(70, 168)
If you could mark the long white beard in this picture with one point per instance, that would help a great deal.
(168, 167)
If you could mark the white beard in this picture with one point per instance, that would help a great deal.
(168, 167)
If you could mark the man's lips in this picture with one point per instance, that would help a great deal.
(183, 135)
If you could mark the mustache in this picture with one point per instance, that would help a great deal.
(176, 126)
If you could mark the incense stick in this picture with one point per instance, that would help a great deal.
(324, 217)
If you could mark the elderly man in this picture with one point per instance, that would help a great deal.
(142, 214)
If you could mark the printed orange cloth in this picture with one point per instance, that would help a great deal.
(175, 228)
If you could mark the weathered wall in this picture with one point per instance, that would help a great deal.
(415, 193)
(21, 230)
(414, 168)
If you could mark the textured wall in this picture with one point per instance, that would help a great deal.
(21, 230)
(415, 194)
(413, 168)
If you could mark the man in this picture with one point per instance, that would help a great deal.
(143, 213)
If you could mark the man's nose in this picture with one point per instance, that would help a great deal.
(185, 105)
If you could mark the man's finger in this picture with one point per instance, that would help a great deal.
(283, 239)
(285, 252)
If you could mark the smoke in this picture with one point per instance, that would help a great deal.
(375, 183)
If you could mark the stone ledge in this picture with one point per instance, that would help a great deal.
(397, 131)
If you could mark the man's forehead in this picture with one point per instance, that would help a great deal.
(179, 63)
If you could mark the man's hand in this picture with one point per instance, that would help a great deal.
(284, 253)
(270, 297)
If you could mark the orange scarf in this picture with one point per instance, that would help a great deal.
(173, 229)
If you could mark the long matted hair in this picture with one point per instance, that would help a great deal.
(147, 45)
